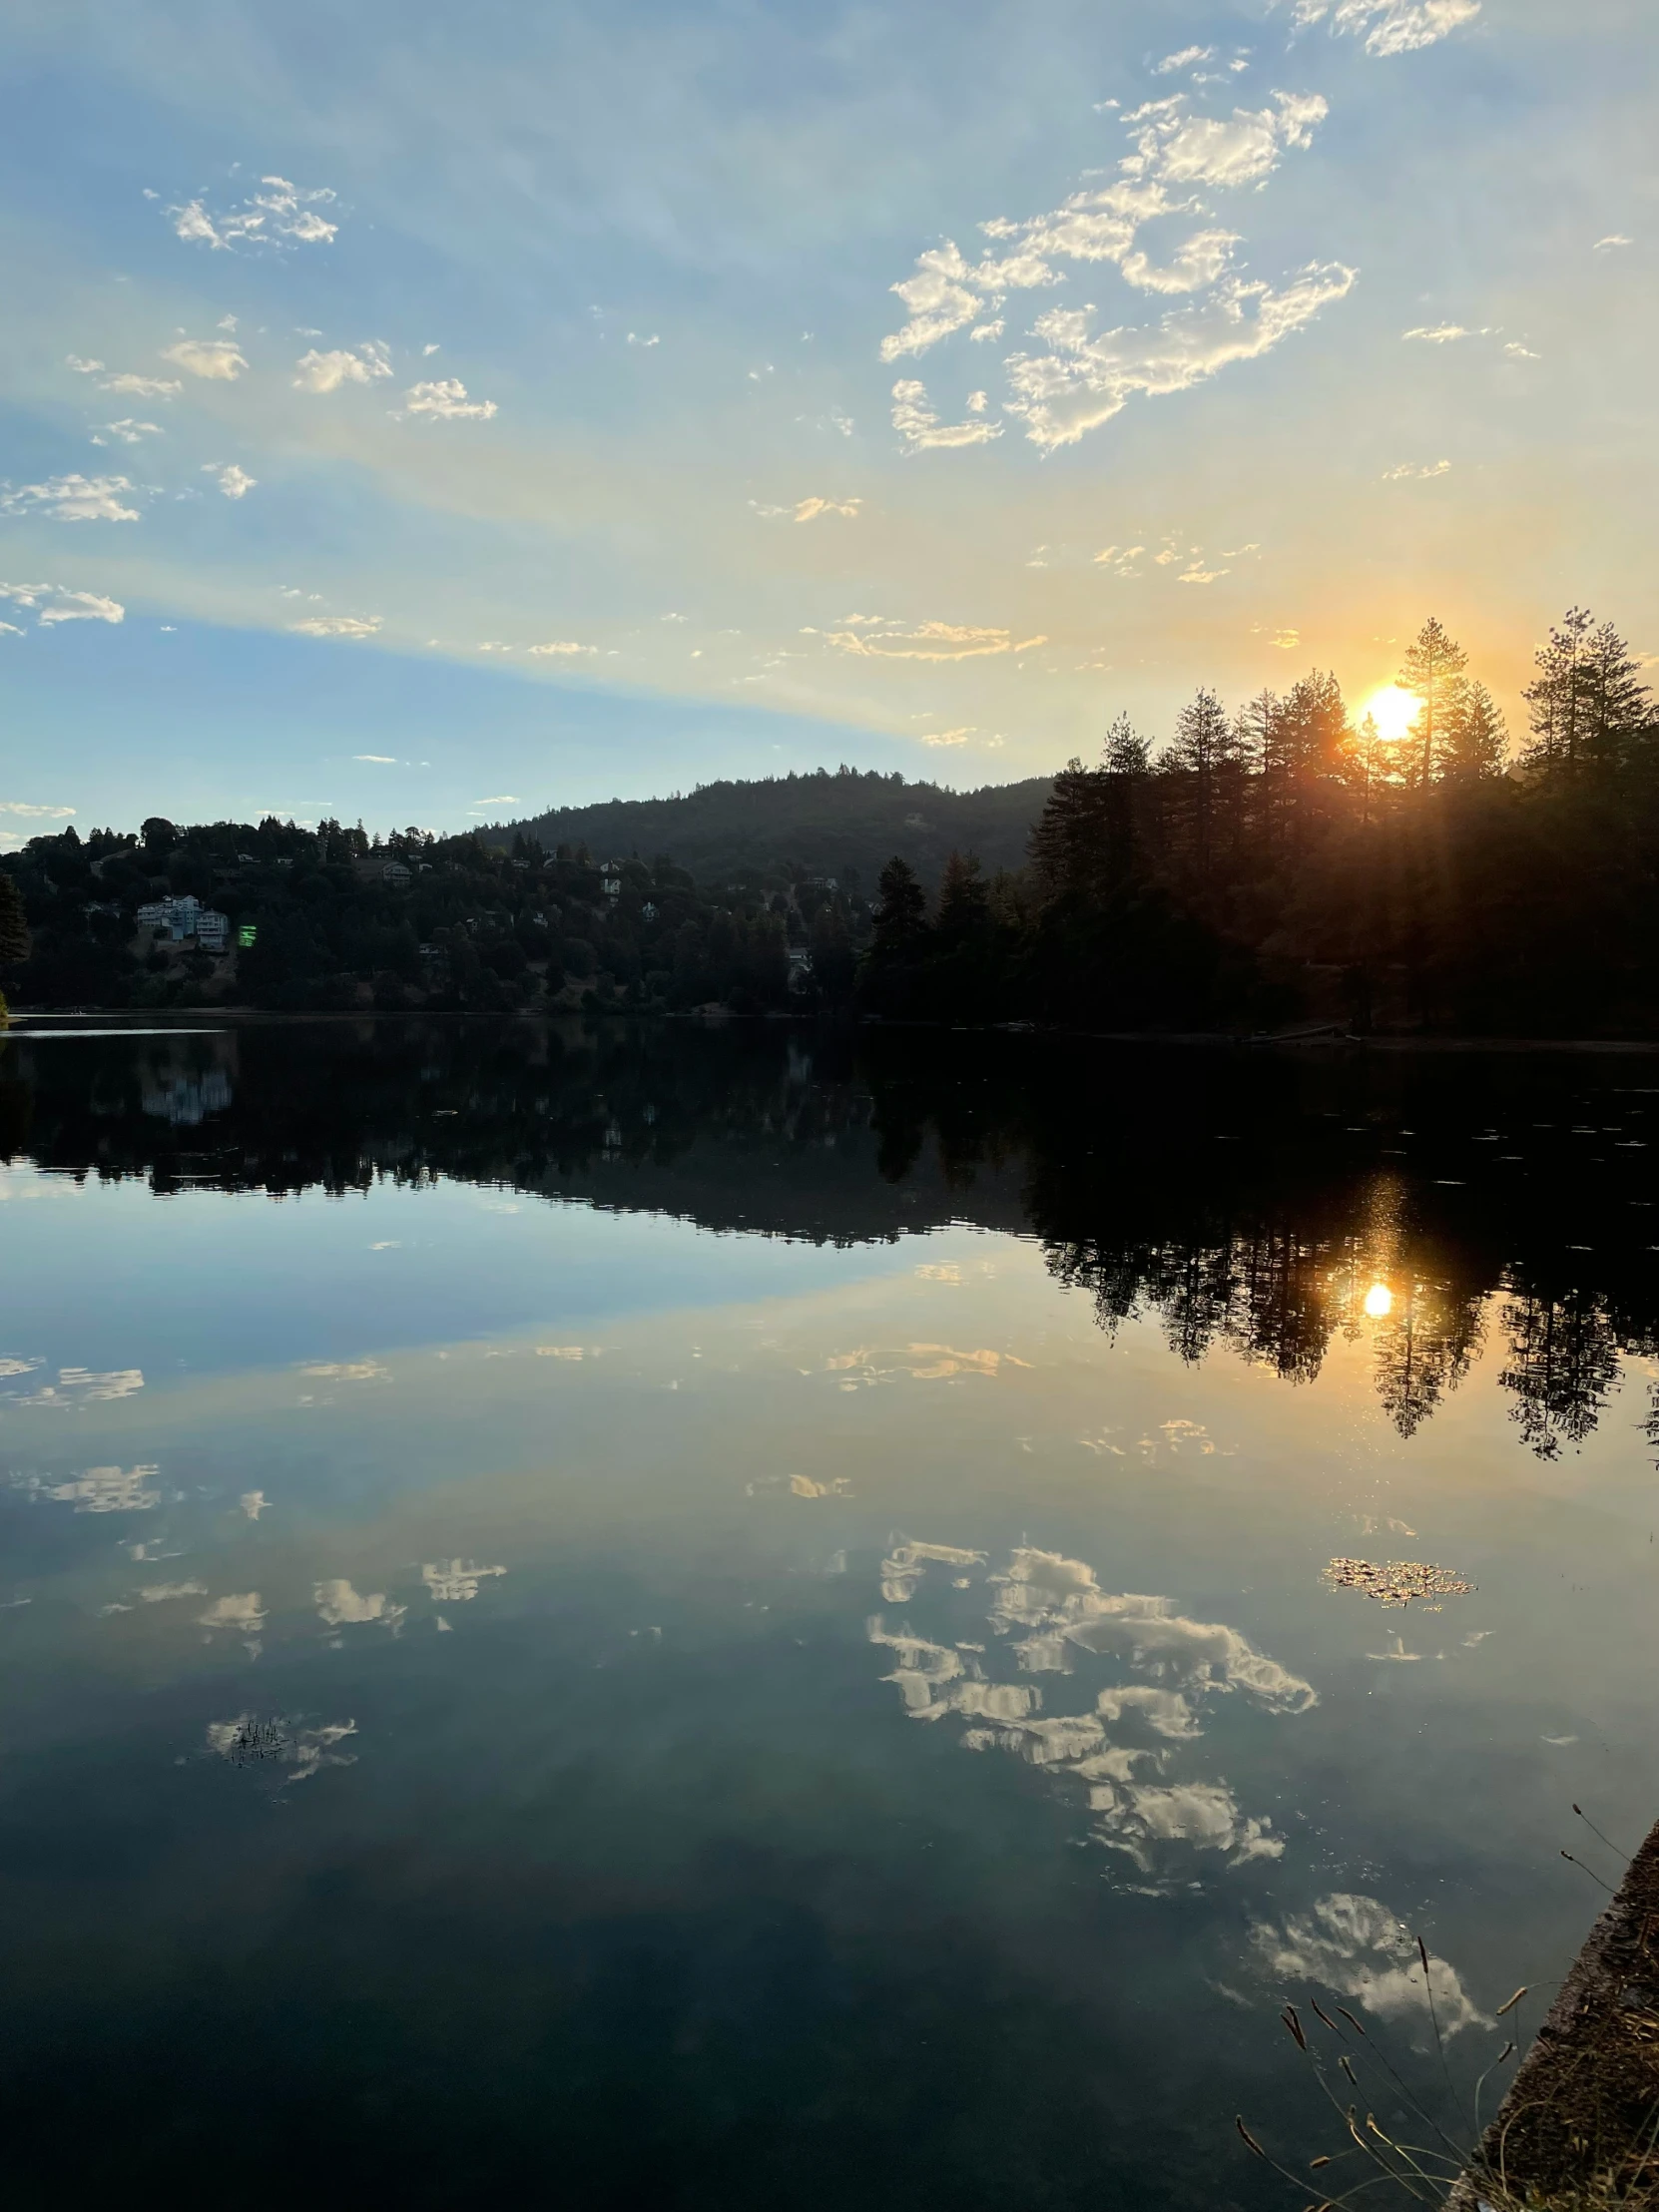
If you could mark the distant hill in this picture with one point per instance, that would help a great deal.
(827, 823)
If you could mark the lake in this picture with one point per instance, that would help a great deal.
(726, 1618)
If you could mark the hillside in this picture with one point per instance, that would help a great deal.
(827, 823)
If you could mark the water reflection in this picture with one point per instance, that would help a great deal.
(1116, 1756)
(1266, 1209)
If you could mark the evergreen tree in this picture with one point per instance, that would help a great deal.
(14, 930)
(1616, 703)
(1434, 670)
(1200, 753)
(965, 900)
(1476, 740)
(1125, 752)
(1555, 697)
(900, 912)
(1069, 843)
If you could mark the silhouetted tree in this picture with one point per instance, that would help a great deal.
(1432, 668)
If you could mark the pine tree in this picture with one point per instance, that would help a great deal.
(14, 929)
(965, 900)
(1125, 752)
(1200, 753)
(1555, 699)
(900, 918)
(1616, 703)
(1434, 670)
(1476, 740)
(1069, 846)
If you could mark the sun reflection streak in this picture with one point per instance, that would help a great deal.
(1379, 1301)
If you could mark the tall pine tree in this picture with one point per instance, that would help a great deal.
(1434, 670)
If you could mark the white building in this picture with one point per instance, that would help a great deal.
(179, 919)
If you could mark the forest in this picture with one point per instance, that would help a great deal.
(1271, 865)
(1282, 862)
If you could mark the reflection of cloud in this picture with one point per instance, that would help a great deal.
(157, 1593)
(451, 1580)
(1115, 1753)
(348, 1371)
(244, 1612)
(1355, 1944)
(338, 1602)
(109, 1490)
(253, 1503)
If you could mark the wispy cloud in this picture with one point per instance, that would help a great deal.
(218, 360)
(1439, 333)
(445, 399)
(930, 641)
(809, 510)
(35, 814)
(73, 498)
(378, 760)
(337, 626)
(1083, 380)
(919, 425)
(950, 737)
(1607, 245)
(560, 648)
(278, 215)
(54, 603)
(233, 482)
(1188, 58)
(1391, 26)
(126, 432)
(1407, 472)
(322, 372)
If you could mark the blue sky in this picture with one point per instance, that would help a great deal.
(433, 414)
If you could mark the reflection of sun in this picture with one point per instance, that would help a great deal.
(1393, 710)
(1379, 1301)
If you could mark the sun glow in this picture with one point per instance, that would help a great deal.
(1379, 1301)
(1393, 710)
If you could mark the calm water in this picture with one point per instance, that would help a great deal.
(720, 1620)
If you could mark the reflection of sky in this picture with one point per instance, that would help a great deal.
(603, 1493)
(120, 1279)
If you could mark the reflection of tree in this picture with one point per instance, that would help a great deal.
(1424, 1350)
(1563, 1357)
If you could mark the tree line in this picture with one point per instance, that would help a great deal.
(1285, 860)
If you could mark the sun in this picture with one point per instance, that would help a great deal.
(1393, 710)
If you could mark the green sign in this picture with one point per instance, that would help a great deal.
(245, 936)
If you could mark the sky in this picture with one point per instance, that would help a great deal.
(429, 416)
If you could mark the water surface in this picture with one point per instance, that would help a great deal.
(726, 1618)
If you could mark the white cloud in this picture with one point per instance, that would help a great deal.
(1519, 352)
(1196, 575)
(1084, 380)
(215, 358)
(1607, 246)
(1416, 470)
(950, 736)
(53, 603)
(73, 498)
(34, 813)
(277, 214)
(345, 366)
(1355, 1945)
(1439, 333)
(1175, 147)
(501, 799)
(634, 338)
(918, 423)
(1185, 59)
(158, 1594)
(379, 759)
(337, 626)
(244, 1612)
(81, 367)
(929, 641)
(810, 509)
(233, 482)
(128, 432)
(338, 1602)
(1391, 26)
(132, 385)
(446, 400)
(562, 649)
